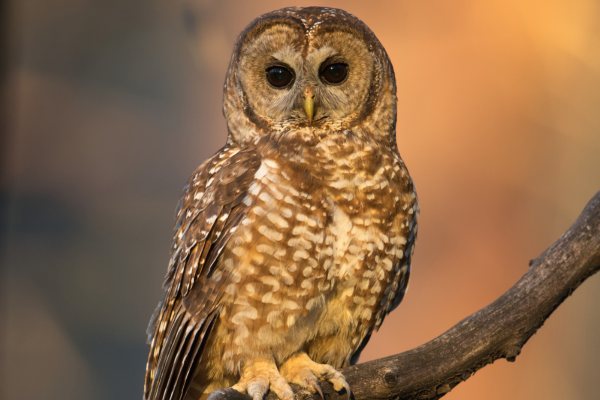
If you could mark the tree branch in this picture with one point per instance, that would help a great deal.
(497, 331)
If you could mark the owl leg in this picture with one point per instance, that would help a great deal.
(261, 375)
(304, 372)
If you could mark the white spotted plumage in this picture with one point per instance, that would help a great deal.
(294, 241)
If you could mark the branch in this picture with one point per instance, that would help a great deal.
(497, 331)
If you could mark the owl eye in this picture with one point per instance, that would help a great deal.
(279, 76)
(333, 73)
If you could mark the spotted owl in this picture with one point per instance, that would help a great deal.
(294, 241)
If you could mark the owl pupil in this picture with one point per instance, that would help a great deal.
(279, 76)
(334, 73)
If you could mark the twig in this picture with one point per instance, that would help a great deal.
(497, 331)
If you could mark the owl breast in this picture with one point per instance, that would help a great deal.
(318, 257)
(371, 206)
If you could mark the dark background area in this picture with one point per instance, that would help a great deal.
(112, 104)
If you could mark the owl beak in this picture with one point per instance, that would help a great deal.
(309, 103)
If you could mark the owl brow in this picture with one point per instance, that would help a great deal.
(276, 61)
(287, 53)
(335, 58)
(324, 53)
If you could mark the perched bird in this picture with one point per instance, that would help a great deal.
(294, 241)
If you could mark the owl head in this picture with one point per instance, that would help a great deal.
(309, 69)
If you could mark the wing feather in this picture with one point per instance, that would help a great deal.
(394, 292)
(210, 211)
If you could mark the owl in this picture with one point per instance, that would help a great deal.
(294, 241)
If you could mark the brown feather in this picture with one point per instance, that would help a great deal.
(190, 308)
(297, 235)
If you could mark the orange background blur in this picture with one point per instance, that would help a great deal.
(114, 103)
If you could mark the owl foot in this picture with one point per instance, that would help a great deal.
(261, 375)
(306, 373)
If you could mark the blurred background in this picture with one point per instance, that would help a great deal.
(113, 103)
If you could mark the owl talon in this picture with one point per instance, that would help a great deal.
(339, 383)
(303, 371)
(317, 389)
(258, 388)
(261, 375)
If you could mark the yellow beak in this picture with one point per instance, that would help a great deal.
(309, 103)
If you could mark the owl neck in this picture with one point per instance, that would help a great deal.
(338, 151)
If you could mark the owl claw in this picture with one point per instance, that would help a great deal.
(260, 376)
(303, 371)
(317, 389)
(257, 388)
(339, 383)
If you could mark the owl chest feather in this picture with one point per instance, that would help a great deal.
(356, 192)
(314, 255)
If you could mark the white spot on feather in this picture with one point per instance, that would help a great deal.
(254, 189)
(300, 255)
(268, 298)
(277, 220)
(270, 233)
(271, 281)
(266, 197)
(248, 313)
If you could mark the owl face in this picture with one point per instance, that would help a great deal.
(297, 68)
(291, 77)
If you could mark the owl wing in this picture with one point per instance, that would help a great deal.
(394, 293)
(210, 211)
(402, 268)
